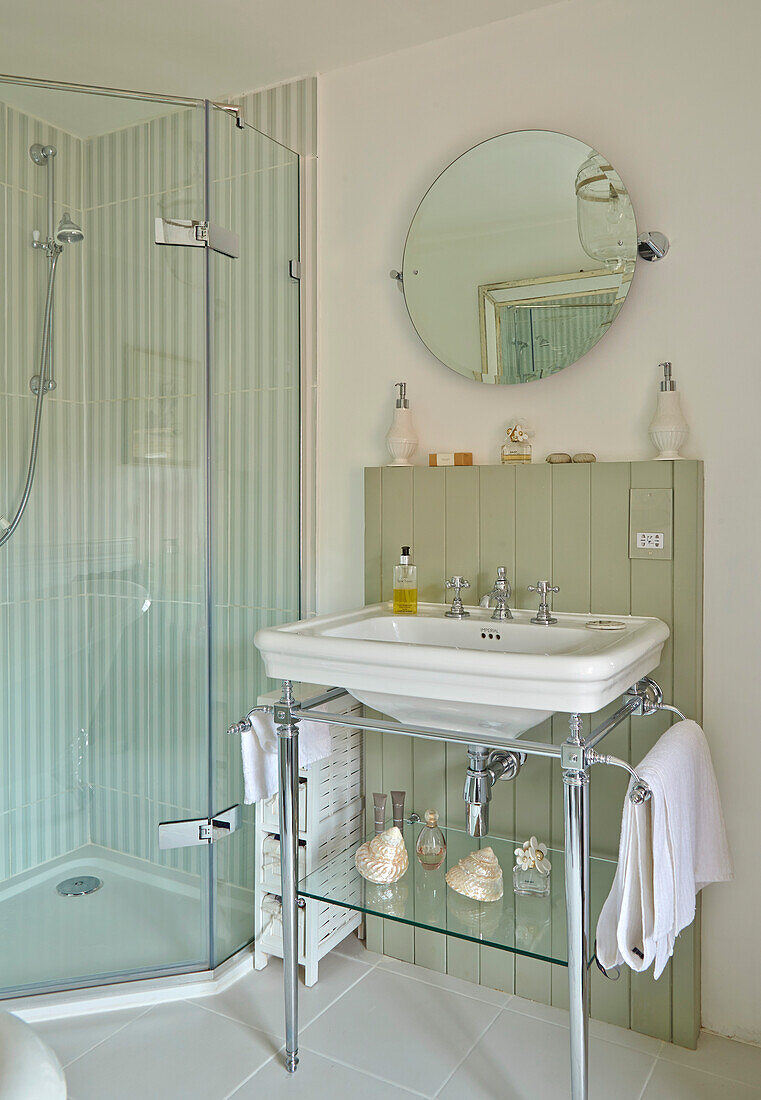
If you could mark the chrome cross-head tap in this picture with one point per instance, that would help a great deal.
(544, 588)
(457, 611)
(500, 593)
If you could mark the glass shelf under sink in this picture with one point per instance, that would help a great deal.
(526, 925)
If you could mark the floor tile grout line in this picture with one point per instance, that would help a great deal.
(253, 1027)
(366, 1073)
(700, 1069)
(338, 998)
(444, 988)
(648, 1078)
(106, 1038)
(594, 1038)
(598, 1038)
(353, 958)
(462, 1061)
(625, 1044)
(225, 1016)
(250, 1077)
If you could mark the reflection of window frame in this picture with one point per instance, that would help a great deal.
(489, 307)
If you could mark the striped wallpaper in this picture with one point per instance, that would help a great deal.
(43, 638)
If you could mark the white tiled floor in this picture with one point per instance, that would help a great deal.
(373, 1029)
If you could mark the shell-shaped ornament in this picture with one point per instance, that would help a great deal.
(384, 858)
(477, 876)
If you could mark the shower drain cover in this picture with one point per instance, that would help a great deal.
(76, 887)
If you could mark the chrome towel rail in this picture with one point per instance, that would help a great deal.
(643, 699)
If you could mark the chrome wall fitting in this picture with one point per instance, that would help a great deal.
(42, 155)
(485, 767)
(457, 611)
(244, 724)
(500, 593)
(231, 109)
(652, 245)
(544, 588)
(648, 696)
(34, 384)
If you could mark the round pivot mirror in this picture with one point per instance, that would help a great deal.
(519, 257)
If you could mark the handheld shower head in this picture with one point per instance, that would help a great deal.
(68, 232)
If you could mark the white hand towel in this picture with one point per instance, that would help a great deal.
(258, 748)
(671, 847)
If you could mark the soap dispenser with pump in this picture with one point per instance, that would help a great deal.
(668, 429)
(405, 585)
(401, 437)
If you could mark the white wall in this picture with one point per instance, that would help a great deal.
(664, 88)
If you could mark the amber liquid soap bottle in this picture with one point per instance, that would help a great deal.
(405, 585)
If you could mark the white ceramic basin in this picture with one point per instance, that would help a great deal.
(474, 676)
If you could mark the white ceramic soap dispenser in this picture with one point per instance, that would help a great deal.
(401, 437)
(668, 428)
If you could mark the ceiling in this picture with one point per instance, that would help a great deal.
(202, 49)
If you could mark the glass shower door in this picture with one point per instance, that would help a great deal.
(103, 610)
(255, 538)
(161, 531)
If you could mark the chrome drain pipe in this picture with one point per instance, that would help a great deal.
(485, 767)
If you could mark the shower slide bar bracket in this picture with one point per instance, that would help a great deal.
(189, 233)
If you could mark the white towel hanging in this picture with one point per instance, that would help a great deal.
(671, 847)
(258, 747)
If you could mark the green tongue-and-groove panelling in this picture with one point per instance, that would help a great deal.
(569, 523)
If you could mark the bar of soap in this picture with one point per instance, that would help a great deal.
(451, 458)
(558, 456)
(584, 456)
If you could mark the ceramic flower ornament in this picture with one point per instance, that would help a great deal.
(518, 432)
(523, 857)
(533, 854)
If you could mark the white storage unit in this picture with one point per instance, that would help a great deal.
(331, 818)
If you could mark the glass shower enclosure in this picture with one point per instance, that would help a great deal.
(149, 521)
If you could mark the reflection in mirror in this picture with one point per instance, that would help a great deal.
(519, 257)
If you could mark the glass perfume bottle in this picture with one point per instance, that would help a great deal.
(531, 873)
(431, 846)
(517, 444)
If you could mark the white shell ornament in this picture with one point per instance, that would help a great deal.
(477, 876)
(384, 858)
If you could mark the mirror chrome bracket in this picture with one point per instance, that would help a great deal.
(652, 245)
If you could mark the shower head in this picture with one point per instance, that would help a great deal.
(68, 232)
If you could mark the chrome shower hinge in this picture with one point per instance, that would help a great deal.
(199, 830)
(197, 234)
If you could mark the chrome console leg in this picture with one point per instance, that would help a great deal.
(576, 820)
(288, 748)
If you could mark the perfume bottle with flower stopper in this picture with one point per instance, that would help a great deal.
(531, 873)
(517, 445)
(431, 846)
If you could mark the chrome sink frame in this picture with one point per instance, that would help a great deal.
(576, 755)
